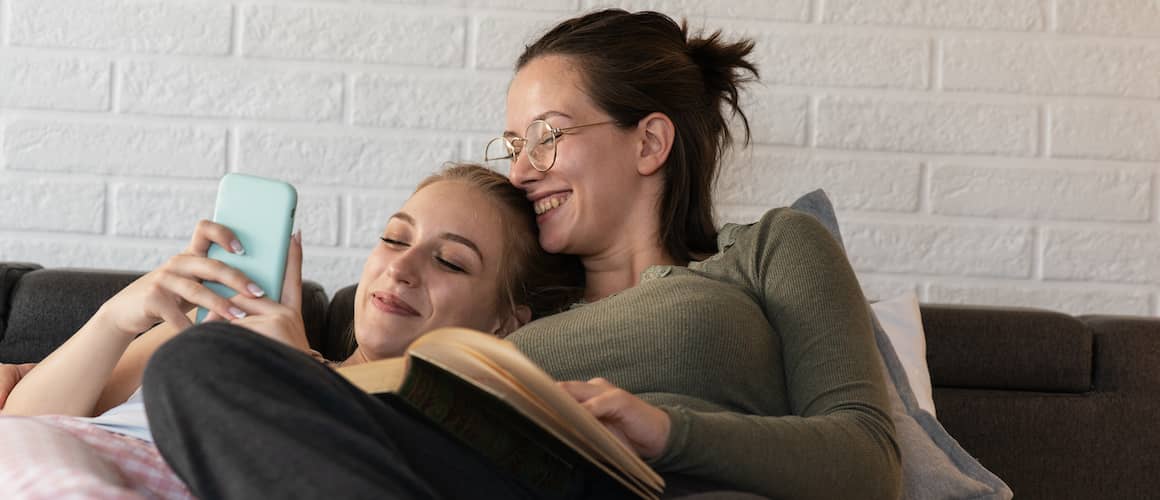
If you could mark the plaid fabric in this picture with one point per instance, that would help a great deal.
(58, 457)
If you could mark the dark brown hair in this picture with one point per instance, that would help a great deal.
(634, 64)
(546, 283)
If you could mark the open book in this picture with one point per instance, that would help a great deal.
(486, 393)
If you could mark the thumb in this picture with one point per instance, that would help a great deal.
(292, 283)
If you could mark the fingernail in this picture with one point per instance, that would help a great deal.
(238, 313)
(256, 290)
(237, 247)
(298, 236)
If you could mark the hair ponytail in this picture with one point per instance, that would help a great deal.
(723, 65)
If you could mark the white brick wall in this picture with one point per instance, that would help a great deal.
(979, 151)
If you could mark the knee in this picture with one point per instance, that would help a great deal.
(194, 352)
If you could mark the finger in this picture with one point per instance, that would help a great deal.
(208, 232)
(197, 294)
(212, 316)
(206, 269)
(261, 306)
(581, 391)
(292, 284)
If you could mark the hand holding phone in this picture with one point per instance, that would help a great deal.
(260, 212)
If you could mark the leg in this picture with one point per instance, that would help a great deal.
(40, 461)
(240, 416)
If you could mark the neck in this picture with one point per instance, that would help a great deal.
(357, 357)
(620, 269)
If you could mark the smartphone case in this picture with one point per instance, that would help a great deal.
(260, 212)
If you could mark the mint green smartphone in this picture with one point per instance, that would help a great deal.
(260, 212)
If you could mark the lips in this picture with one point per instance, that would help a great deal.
(392, 304)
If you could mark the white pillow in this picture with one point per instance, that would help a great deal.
(902, 322)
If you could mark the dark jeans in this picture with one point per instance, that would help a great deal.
(240, 416)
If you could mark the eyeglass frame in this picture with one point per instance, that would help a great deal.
(556, 133)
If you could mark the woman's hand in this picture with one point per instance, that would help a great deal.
(10, 375)
(643, 427)
(279, 321)
(170, 291)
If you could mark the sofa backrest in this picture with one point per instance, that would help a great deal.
(41, 308)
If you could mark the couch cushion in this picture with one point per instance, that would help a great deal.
(1007, 348)
(49, 305)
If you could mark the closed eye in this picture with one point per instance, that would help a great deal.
(449, 265)
(394, 243)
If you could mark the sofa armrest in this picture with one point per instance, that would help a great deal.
(1007, 348)
(10, 273)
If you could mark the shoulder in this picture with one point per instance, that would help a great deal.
(777, 226)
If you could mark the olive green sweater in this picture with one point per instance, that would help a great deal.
(762, 355)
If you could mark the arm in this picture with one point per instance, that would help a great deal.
(101, 364)
(839, 441)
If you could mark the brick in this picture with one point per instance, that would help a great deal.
(231, 90)
(1087, 194)
(318, 217)
(460, 102)
(1014, 15)
(772, 179)
(876, 287)
(1054, 67)
(65, 83)
(523, 5)
(1109, 255)
(368, 216)
(1111, 131)
(55, 204)
(774, 118)
(843, 60)
(499, 40)
(123, 25)
(345, 158)
(1121, 17)
(1067, 299)
(927, 126)
(161, 211)
(778, 10)
(115, 148)
(94, 253)
(364, 34)
(939, 248)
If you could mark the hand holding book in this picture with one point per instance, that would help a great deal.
(643, 427)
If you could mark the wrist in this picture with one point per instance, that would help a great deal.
(105, 320)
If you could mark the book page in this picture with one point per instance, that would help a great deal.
(384, 375)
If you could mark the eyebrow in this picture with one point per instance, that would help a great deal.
(462, 240)
(542, 116)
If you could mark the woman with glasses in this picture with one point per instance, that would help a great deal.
(741, 357)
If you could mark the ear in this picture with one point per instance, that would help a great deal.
(512, 321)
(657, 134)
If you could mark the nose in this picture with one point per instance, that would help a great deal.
(522, 174)
(405, 267)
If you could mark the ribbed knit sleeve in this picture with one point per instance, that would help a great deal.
(839, 442)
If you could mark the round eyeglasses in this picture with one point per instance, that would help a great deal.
(540, 135)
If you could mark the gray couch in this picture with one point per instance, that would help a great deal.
(1058, 406)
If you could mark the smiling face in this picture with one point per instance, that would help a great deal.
(588, 198)
(438, 265)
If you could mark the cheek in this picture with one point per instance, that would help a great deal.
(469, 303)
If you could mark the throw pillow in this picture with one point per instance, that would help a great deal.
(934, 466)
(902, 322)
